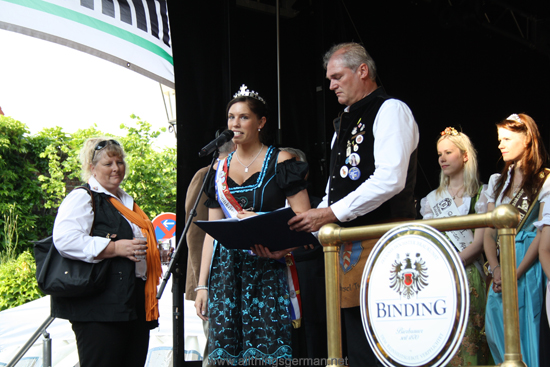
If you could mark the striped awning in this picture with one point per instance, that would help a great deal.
(132, 33)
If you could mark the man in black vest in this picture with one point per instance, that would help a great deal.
(372, 175)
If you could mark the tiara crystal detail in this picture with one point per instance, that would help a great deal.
(449, 131)
(514, 117)
(244, 92)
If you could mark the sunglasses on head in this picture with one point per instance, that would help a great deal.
(102, 144)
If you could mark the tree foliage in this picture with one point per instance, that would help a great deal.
(20, 193)
(38, 171)
(150, 174)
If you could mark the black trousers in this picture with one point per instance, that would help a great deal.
(355, 345)
(115, 344)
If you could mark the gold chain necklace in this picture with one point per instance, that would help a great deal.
(246, 167)
(456, 192)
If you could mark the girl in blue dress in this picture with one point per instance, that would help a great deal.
(522, 184)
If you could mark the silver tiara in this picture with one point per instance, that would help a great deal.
(244, 92)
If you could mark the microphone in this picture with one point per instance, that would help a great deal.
(216, 143)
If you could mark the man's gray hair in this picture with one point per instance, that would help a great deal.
(353, 55)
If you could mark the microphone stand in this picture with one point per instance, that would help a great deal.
(192, 214)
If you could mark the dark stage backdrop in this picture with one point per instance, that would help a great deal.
(439, 59)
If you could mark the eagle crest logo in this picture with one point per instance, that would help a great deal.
(408, 278)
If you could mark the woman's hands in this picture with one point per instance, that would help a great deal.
(124, 248)
(497, 280)
(131, 249)
(201, 303)
(260, 250)
(241, 214)
(263, 251)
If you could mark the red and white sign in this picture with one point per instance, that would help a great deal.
(165, 226)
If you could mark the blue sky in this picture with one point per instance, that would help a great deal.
(43, 84)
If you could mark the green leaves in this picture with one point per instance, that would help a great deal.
(18, 169)
(150, 174)
(18, 282)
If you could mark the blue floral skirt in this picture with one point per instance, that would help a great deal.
(249, 308)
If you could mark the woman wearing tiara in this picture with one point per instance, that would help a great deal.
(460, 192)
(244, 294)
(522, 184)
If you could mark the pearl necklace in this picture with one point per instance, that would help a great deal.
(246, 167)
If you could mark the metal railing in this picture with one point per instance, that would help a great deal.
(47, 349)
(505, 218)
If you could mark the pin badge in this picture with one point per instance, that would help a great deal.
(344, 171)
(354, 159)
(354, 173)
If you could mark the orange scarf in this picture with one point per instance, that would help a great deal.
(154, 269)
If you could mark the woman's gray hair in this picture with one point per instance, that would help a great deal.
(296, 153)
(88, 158)
(353, 56)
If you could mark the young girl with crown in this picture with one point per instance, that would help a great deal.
(460, 193)
(245, 294)
(522, 184)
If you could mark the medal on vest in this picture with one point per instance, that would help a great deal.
(354, 159)
(344, 171)
(354, 173)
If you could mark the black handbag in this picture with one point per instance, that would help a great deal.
(62, 277)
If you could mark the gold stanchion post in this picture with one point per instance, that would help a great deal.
(506, 226)
(330, 240)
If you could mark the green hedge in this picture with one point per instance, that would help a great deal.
(18, 282)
